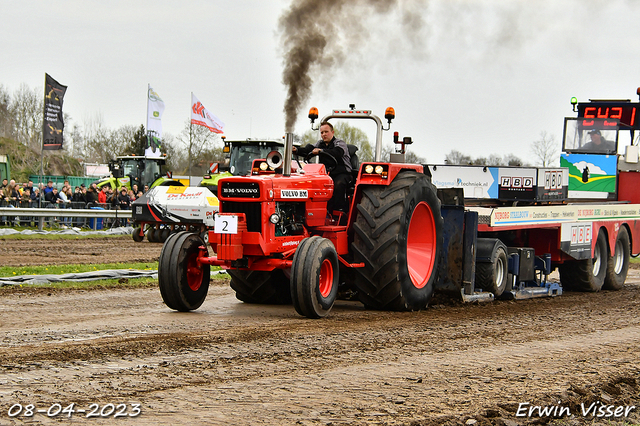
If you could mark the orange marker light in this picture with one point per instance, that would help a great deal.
(389, 114)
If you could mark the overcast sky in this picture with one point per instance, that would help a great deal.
(479, 76)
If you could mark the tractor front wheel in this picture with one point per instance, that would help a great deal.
(183, 281)
(314, 277)
(398, 237)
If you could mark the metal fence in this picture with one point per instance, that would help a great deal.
(70, 214)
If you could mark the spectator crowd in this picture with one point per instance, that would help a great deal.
(26, 195)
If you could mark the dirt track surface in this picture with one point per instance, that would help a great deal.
(77, 251)
(233, 363)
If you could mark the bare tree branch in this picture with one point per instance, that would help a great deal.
(545, 150)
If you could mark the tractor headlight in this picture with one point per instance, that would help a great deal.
(264, 166)
(274, 218)
(379, 170)
(368, 169)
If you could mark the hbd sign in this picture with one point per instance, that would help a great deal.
(552, 179)
(514, 182)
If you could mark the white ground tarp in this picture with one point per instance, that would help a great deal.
(123, 230)
(107, 274)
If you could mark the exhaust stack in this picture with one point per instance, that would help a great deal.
(288, 151)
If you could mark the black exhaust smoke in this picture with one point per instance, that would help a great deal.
(318, 35)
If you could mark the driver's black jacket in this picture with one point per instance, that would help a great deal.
(337, 148)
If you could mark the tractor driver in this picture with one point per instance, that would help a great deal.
(598, 143)
(341, 173)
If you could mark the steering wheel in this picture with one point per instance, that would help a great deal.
(328, 160)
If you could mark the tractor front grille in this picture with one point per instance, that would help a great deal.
(252, 211)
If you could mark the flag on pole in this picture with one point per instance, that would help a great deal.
(155, 108)
(202, 117)
(53, 123)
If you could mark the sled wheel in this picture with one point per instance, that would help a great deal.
(151, 235)
(587, 274)
(163, 234)
(184, 282)
(137, 234)
(398, 237)
(618, 264)
(314, 277)
(492, 275)
(260, 287)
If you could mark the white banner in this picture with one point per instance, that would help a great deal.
(202, 117)
(155, 108)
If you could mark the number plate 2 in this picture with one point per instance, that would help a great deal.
(226, 224)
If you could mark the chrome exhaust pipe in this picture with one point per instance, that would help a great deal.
(288, 151)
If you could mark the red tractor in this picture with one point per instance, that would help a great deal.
(274, 237)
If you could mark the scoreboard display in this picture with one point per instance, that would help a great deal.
(627, 113)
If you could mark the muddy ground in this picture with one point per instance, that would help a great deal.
(76, 251)
(233, 363)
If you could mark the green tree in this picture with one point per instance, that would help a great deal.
(139, 142)
(123, 141)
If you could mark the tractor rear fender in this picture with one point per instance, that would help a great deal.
(389, 173)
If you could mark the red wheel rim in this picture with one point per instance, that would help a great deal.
(325, 281)
(194, 272)
(421, 245)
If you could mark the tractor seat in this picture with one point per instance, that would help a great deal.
(355, 162)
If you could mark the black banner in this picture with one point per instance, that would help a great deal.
(53, 123)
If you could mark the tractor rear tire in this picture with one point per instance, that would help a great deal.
(588, 274)
(184, 282)
(137, 235)
(398, 237)
(314, 277)
(260, 287)
(618, 264)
